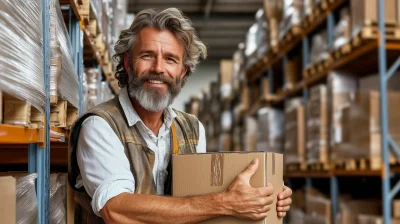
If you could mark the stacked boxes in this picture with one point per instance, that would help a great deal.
(317, 125)
(226, 72)
(295, 132)
(270, 130)
(365, 13)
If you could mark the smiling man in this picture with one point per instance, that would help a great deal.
(120, 151)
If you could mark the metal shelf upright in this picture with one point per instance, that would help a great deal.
(384, 74)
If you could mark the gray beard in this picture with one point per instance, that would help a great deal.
(150, 99)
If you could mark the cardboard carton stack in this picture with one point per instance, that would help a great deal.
(274, 14)
(341, 88)
(364, 13)
(342, 33)
(295, 129)
(317, 126)
(293, 71)
(270, 130)
(365, 127)
(318, 208)
(226, 75)
(200, 174)
(350, 210)
(293, 13)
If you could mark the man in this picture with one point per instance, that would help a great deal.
(120, 151)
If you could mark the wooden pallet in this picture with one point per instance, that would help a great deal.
(354, 164)
(318, 166)
(372, 32)
(63, 115)
(342, 51)
(20, 112)
(294, 167)
(290, 35)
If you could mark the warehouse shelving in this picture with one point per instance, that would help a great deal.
(376, 54)
(12, 134)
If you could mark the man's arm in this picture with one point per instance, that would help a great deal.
(240, 200)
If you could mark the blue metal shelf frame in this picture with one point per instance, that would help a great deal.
(384, 74)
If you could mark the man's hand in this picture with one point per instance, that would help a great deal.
(246, 202)
(284, 201)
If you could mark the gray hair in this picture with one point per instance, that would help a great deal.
(170, 19)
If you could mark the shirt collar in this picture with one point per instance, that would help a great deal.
(131, 115)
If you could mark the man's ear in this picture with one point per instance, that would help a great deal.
(126, 62)
(184, 71)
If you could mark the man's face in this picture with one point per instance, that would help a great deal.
(156, 69)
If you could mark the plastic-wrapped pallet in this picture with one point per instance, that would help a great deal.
(238, 69)
(293, 15)
(27, 208)
(250, 135)
(341, 89)
(365, 128)
(251, 45)
(270, 130)
(317, 125)
(106, 93)
(21, 57)
(58, 211)
(319, 47)
(92, 79)
(342, 33)
(274, 14)
(262, 38)
(364, 13)
(68, 84)
(294, 132)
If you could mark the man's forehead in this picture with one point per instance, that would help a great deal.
(150, 36)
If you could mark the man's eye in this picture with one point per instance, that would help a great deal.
(171, 59)
(147, 56)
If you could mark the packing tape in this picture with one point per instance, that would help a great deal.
(217, 169)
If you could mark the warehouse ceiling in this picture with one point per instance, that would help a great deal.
(220, 24)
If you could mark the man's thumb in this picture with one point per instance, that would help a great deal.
(250, 170)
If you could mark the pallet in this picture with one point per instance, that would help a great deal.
(20, 112)
(63, 115)
(290, 35)
(318, 68)
(372, 32)
(294, 167)
(356, 164)
(318, 166)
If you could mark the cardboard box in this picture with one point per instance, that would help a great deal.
(199, 174)
(226, 72)
(16, 111)
(265, 88)
(8, 200)
(293, 72)
(317, 125)
(350, 209)
(245, 98)
(318, 208)
(371, 219)
(396, 208)
(225, 143)
(295, 139)
(365, 13)
(365, 127)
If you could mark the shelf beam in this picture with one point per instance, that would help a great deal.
(13, 134)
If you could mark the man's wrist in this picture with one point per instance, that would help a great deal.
(220, 204)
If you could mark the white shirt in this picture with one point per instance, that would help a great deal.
(105, 169)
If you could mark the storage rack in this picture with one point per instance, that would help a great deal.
(38, 140)
(382, 46)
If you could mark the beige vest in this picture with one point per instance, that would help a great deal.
(140, 157)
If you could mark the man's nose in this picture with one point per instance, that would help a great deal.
(158, 66)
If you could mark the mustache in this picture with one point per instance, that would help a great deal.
(145, 77)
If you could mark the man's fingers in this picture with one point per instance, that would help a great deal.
(282, 209)
(281, 214)
(285, 202)
(287, 192)
(266, 191)
(250, 170)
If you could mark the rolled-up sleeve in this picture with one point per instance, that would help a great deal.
(104, 167)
